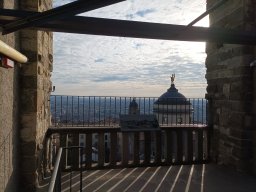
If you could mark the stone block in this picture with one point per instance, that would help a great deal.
(29, 82)
(28, 134)
(226, 90)
(228, 12)
(28, 34)
(28, 120)
(235, 96)
(28, 148)
(224, 130)
(241, 133)
(236, 119)
(29, 5)
(28, 181)
(41, 83)
(29, 44)
(29, 101)
(29, 69)
(29, 164)
(243, 152)
(248, 121)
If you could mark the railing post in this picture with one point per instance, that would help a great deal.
(147, 148)
(158, 155)
(101, 150)
(200, 145)
(189, 146)
(63, 143)
(55, 182)
(88, 150)
(136, 148)
(125, 149)
(169, 146)
(75, 142)
(179, 145)
(113, 148)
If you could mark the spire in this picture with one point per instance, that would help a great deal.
(172, 79)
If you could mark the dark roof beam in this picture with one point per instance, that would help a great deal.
(111, 27)
(122, 28)
(61, 12)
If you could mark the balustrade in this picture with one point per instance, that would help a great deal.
(110, 147)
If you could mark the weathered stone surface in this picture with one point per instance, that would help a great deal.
(9, 108)
(231, 87)
(35, 107)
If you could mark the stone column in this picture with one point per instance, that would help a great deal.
(35, 88)
(230, 87)
(9, 114)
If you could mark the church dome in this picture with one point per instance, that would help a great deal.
(173, 107)
(172, 97)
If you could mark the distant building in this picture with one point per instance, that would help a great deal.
(173, 107)
(136, 122)
(134, 107)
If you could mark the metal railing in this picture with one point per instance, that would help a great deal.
(100, 111)
(92, 124)
(56, 183)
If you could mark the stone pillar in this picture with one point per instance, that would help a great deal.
(9, 114)
(35, 95)
(230, 87)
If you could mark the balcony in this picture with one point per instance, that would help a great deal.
(191, 178)
(98, 155)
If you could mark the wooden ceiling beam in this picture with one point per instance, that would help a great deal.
(135, 29)
(67, 10)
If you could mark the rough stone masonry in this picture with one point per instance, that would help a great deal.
(231, 88)
(25, 104)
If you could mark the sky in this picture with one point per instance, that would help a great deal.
(90, 65)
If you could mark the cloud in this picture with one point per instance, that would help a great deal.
(112, 78)
(142, 13)
(99, 60)
(122, 66)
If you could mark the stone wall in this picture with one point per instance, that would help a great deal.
(230, 87)
(9, 94)
(24, 104)
(35, 97)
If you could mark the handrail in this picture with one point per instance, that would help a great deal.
(55, 171)
(12, 53)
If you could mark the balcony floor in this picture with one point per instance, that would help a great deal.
(188, 178)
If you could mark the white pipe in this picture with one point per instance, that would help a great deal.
(12, 53)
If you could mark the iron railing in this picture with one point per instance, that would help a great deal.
(92, 124)
(64, 180)
(100, 111)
